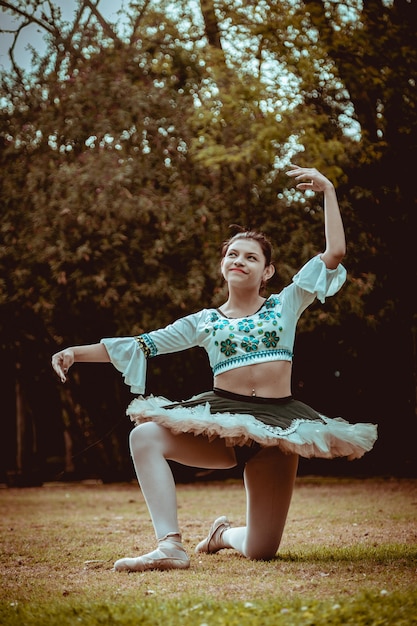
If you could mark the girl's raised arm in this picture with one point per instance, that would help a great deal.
(333, 226)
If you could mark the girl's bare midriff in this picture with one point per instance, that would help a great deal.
(267, 380)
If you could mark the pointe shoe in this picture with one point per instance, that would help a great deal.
(170, 554)
(213, 542)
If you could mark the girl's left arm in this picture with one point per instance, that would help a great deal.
(64, 359)
(333, 225)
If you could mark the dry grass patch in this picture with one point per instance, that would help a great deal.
(344, 538)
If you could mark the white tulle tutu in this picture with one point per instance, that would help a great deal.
(285, 422)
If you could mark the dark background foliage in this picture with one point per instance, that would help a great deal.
(124, 160)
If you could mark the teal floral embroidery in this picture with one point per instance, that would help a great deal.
(143, 346)
(228, 347)
(250, 344)
(269, 315)
(270, 340)
(266, 315)
(219, 326)
(271, 303)
(246, 325)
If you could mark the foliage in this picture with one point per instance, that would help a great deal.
(126, 154)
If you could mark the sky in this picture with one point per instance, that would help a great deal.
(33, 35)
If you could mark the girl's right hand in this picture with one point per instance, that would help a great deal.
(316, 182)
(62, 361)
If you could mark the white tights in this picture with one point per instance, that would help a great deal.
(269, 481)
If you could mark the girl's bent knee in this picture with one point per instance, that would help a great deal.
(261, 550)
(142, 437)
(260, 555)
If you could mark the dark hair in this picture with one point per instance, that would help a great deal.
(265, 244)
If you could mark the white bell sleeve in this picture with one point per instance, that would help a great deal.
(127, 357)
(315, 278)
(129, 354)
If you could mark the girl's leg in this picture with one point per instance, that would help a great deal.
(151, 445)
(269, 481)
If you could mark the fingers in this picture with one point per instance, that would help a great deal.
(60, 363)
(57, 365)
(309, 177)
(301, 173)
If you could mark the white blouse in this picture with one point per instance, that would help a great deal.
(267, 335)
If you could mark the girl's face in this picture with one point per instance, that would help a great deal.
(244, 264)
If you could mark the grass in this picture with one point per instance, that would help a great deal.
(348, 556)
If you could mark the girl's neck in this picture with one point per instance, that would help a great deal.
(242, 304)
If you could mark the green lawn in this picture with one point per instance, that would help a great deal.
(349, 556)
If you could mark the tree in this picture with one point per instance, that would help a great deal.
(126, 155)
(376, 59)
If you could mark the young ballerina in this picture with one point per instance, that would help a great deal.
(250, 415)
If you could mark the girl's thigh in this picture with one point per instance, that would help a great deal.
(185, 448)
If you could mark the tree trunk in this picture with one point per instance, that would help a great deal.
(20, 428)
(27, 470)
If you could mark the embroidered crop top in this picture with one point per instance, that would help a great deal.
(267, 335)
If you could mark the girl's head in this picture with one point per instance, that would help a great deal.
(247, 256)
(260, 238)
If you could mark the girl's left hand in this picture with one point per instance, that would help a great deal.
(315, 180)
